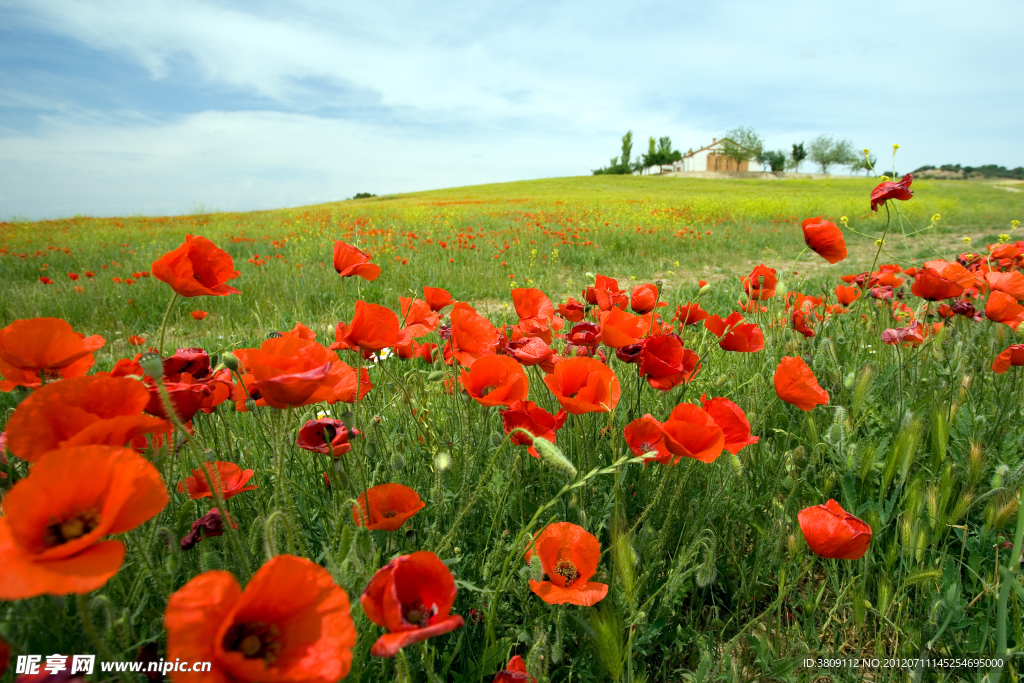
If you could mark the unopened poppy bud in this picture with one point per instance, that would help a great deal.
(721, 381)
(737, 465)
(496, 439)
(553, 456)
(250, 404)
(997, 477)
(397, 462)
(659, 284)
(443, 460)
(230, 361)
(536, 568)
(848, 380)
(439, 364)
(435, 376)
(152, 365)
(704, 290)
(210, 455)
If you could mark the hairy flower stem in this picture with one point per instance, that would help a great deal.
(468, 505)
(163, 324)
(242, 555)
(90, 628)
(1009, 576)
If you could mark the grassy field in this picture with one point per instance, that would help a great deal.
(709, 575)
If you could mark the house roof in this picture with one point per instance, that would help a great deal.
(716, 143)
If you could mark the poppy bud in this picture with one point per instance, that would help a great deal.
(397, 462)
(536, 568)
(722, 380)
(552, 454)
(439, 365)
(737, 465)
(443, 460)
(997, 478)
(152, 365)
(230, 361)
(703, 290)
(250, 404)
(496, 439)
(435, 376)
(410, 535)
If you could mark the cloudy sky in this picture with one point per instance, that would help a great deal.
(112, 107)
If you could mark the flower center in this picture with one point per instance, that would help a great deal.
(567, 570)
(255, 640)
(418, 615)
(388, 514)
(73, 527)
(329, 433)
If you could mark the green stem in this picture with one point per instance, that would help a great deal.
(1009, 578)
(163, 325)
(90, 628)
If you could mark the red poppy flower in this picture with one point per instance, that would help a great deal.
(824, 238)
(644, 297)
(90, 274)
(349, 261)
(584, 385)
(412, 598)
(529, 351)
(291, 371)
(186, 397)
(1003, 308)
(833, 532)
(691, 432)
(438, 299)
(48, 345)
(847, 295)
(732, 421)
(571, 310)
(903, 335)
(643, 435)
(73, 276)
(586, 334)
(665, 362)
(195, 362)
(472, 336)
(199, 315)
(136, 340)
(796, 384)
(534, 419)
(930, 285)
(892, 190)
(760, 284)
(619, 328)
(418, 319)
(1012, 355)
(54, 519)
(232, 478)
(496, 380)
(1008, 283)
(78, 412)
(569, 556)
(390, 506)
(314, 435)
(197, 268)
(605, 293)
(209, 525)
(690, 314)
(291, 624)
(45, 280)
(734, 336)
(514, 672)
(373, 328)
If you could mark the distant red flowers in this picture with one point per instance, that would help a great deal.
(291, 623)
(834, 533)
(199, 315)
(797, 385)
(568, 555)
(390, 505)
(824, 238)
(349, 261)
(412, 597)
(197, 268)
(892, 190)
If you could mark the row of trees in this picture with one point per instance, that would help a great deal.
(744, 144)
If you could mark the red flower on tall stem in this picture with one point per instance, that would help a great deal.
(619, 328)
(390, 506)
(373, 328)
(324, 436)
(643, 435)
(1013, 355)
(824, 238)
(834, 533)
(930, 285)
(495, 380)
(691, 432)
(892, 190)
(43, 345)
(690, 314)
(438, 299)
(796, 384)
(584, 385)
(534, 419)
(605, 294)
(1003, 308)
(197, 268)
(734, 334)
(412, 597)
(760, 284)
(349, 261)
(732, 421)
(227, 476)
(568, 555)
(644, 297)
(665, 362)
(472, 336)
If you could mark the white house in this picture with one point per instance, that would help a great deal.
(711, 158)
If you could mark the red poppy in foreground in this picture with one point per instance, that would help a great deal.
(571, 310)
(373, 328)
(691, 432)
(43, 345)
(584, 385)
(472, 336)
(690, 314)
(1008, 283)
(619, 328)
(94, 410)
(349, 261)
(186, 397)
(1003, 308)
(514, 672)
(931, 285)
(643, 435)
(232, 478)
(290, 624)
(199, 315)
(54, 519)
(1012, 356)
(833, 532)
(197, 268)
(892, 190)
(847, 295)
(412, 598)
(644, 298)
(325, 435)
(569, 556)
(534, 419)
(418, 319)
(824, 238)
(796, 384)
(438, 299)
(495, 381)
(760, 284)
(734, 334)
(732, 421)
(390, 506)
(605, 293)
(665, 362)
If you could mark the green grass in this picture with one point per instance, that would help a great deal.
(711, 578)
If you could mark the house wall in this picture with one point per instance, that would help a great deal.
(712, 160)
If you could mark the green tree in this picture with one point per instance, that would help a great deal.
(797, 156)
(775, 160)
(827, 152)
(621, 165)
(742, 144)
(666, 155)
(627, 149)
(866, 162)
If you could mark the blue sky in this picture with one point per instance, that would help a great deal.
(113, 107)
